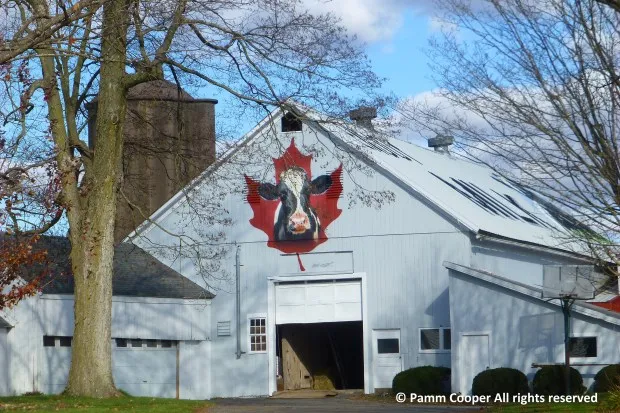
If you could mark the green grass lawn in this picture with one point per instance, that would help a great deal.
(119, 404)
(602, 406)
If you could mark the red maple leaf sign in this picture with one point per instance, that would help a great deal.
(296, 210)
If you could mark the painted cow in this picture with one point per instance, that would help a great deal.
(294, 218)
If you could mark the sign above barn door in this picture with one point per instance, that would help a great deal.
(296, 210)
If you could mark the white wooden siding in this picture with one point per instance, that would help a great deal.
(519, 264)
(134, 317)
(522, 330)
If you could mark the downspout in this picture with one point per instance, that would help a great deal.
(238, 299)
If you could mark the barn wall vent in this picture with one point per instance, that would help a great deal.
(223, 328)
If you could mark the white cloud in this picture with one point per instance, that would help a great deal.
(378, 20)
(371, 20)
(438, 24)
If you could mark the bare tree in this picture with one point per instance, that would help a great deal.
(262, 52)
(532, 89)
(28, 190)
(615, 4)
(21, 30)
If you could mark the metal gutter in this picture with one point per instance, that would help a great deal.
(238, 300)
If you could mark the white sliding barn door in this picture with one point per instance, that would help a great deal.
(318, 302)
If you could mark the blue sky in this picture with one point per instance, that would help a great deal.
(401, 58)
(395, 32)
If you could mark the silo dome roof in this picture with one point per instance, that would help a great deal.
(158, 90)
(162, 90)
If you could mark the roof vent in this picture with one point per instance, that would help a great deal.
(441, 143)
(363, 116)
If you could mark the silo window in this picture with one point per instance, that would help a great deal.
(290, 123)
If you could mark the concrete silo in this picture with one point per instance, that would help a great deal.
(169, 140)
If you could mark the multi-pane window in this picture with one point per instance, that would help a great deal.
(258, 335)
(57, 341)
(582, 346)
(435, 339)
(144, 343)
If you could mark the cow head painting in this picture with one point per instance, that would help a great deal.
(295, 211)
(295, 219)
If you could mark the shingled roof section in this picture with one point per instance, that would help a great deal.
(4, 323)
(136, 273)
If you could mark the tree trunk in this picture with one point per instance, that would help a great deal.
(92, 238)
(91, 362)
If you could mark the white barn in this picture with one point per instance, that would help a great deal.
(357, 256)
(158, 317)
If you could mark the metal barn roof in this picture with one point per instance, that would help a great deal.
(473, 194)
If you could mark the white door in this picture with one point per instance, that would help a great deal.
(387, 359)
(474, 353)
(141, 370)
(55, 364)
(318, 302)
(141, 367)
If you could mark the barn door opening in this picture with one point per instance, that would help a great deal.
(321, 356)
